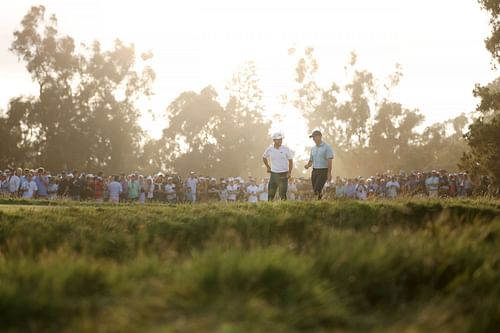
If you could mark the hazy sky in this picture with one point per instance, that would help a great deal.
(438, 43)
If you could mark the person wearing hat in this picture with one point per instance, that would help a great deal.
(42, 183)
(29, 187)
(213, 190)
(281, 158)
(190, 187)
(149, 188)
(223, 195)
(232, 190)
(13, 182)
(432, 184)
(252, 191)
(133, 188)
(170, 191)
(321, 160)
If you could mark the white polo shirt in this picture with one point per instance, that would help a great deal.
(191, 183)
(232, 189)
(278, 158)
(29, 188)
(252, 190)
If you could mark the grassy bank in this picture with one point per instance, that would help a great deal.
(414, 266)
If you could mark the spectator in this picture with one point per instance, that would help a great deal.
(13, 182)
(4, 185)
(444, 184)
(350, 189)
(392, 188)
(432, 184)
(124, 183)
(223, 195)
(252, 191)
(63, 188)
(292, 192)
(115, 190)
(453, 187)
(467, 185)
(42, 183)
(29, 187)
(213, 190)
(99, 187)
(53, 187)
(149, 189)
(232, 190)
(263, 189)
(340, 188)
(190, 186)
(170, 191)
(361, 190)
(133, 188)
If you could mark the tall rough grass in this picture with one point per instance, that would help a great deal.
(404, 266)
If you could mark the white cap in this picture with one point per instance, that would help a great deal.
(277, 136)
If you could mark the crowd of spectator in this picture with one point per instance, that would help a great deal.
(170, 188)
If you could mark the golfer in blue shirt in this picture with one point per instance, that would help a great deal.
(321, 161)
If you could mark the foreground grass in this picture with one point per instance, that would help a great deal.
(414, 266)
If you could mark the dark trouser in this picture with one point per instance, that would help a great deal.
(318, 180)
(277, 180)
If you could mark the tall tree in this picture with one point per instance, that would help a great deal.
(244, 133)
(356, 111)
(393, 135)
(189, 142)
(484, 134)
(84, 114)
(204, 136)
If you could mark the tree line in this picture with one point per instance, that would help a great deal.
(85, 115)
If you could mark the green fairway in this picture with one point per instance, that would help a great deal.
(403, 266)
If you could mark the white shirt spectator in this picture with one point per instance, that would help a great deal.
(292, 192)
(191, 183)
(223, 192)
(13, 183)
(150, 189)
(170, 191)
(252, 190)
(232, 190)
(114, 188)
(53, 187)
(392, 188)
(278, 158)
(29, 188)
(361, 192)
(263, 192)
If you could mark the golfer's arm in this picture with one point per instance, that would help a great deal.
(330, 167)
(290, 166)
(266, 163)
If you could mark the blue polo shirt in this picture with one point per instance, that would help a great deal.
(320, 155)
(40, 183)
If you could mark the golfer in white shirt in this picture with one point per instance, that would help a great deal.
(281, 158)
